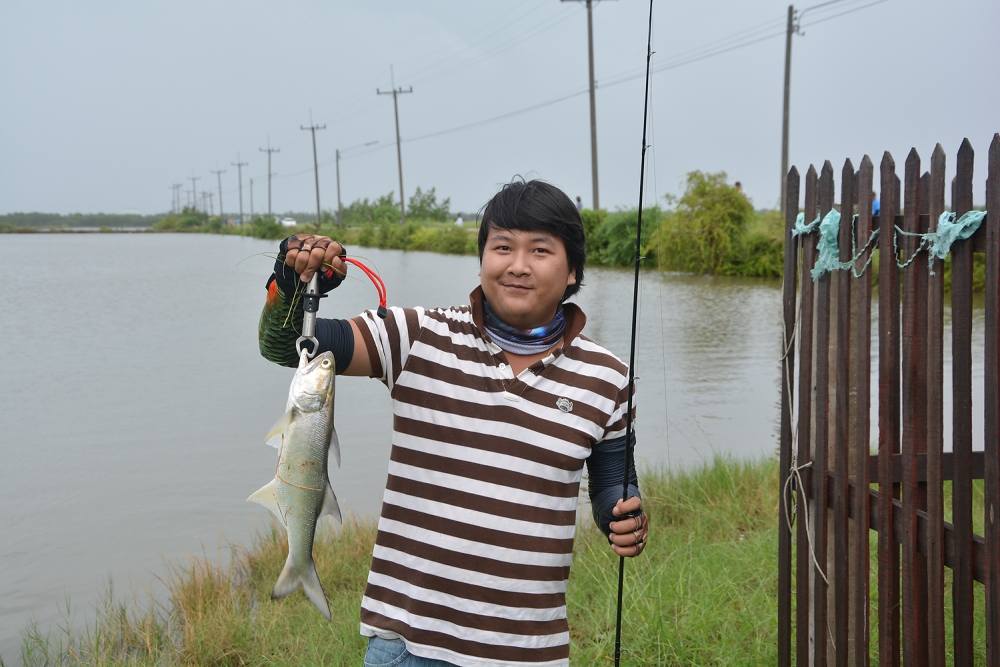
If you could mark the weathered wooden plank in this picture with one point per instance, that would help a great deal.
(934, 547)
(945, 469)
(803, 563)
(961, 350)
(791, 207)
(860, 426)
(840, 449)
(888, 342)
(991, 407)
(822, 437)
(980, 556)
(914, 426)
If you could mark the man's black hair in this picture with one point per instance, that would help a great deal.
(538, 206)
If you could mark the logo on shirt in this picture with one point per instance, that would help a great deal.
(565, 404)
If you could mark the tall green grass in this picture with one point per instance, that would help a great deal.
(703, 593)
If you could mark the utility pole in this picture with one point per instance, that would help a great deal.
(239, 170)
(218, 176)
(593, 103)
(175, 204)
(204, 201)
(396, 92)
(340, 208)
(194, 190)
(791, 27)
(312, 128)
(269, 150)
(211, 202)
(251, 199)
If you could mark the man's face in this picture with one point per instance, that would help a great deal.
(524, 275)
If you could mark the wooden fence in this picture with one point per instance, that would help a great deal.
(835, 492)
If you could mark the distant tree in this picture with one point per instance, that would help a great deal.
(708, 226)
(384, 209)
(426, 206)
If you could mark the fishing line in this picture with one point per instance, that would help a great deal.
(635, 302)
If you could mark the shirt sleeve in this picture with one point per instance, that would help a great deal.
(389, 340)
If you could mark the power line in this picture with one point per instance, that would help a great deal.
(750, 36)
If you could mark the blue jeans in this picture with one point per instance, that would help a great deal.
(393, 653)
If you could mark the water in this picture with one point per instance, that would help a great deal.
(135, 401)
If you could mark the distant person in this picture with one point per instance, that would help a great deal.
(579, 203)
(875, 204)
(459, 222)
(499, 403)
(738, 186)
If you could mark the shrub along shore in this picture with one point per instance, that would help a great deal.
(703, 593)
(711, 229)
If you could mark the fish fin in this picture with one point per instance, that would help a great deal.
(330, 504)
(267, 496)
(291, 579)
(335, 446)
(273, 436)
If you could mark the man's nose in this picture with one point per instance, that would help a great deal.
(519, 264)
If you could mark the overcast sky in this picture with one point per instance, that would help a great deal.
(107, 103)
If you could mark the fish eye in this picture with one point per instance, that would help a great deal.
(326, 363)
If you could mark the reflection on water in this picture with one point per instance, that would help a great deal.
(135, 400)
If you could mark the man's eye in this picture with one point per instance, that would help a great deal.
(541, 251)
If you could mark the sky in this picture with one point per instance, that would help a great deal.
(108, 103)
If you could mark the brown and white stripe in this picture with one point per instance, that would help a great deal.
(475, 537)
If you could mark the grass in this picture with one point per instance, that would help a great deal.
(704, 592)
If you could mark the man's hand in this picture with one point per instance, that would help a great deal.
(306, 254)
(628, 536)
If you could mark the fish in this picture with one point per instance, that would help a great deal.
(300, 493)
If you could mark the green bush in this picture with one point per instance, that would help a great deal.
(265, 227)
(705, 234)
(614, 237)
(188, 220)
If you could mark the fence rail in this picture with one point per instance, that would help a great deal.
(835, 494)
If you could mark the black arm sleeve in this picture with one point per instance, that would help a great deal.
(337, 336)
(606, 472)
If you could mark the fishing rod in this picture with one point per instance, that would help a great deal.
(635, 308)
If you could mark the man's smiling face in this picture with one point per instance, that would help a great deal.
(524, 274)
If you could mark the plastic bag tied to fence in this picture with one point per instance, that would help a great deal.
(938, 243)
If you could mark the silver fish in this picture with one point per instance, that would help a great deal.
(300, 493)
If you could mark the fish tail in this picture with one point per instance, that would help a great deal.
(305, 577)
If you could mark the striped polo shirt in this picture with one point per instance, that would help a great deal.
(475, 537)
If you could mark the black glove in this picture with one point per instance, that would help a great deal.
(288, 279)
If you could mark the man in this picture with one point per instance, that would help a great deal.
(497, 406)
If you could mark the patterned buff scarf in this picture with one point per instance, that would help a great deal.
(524, 341)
